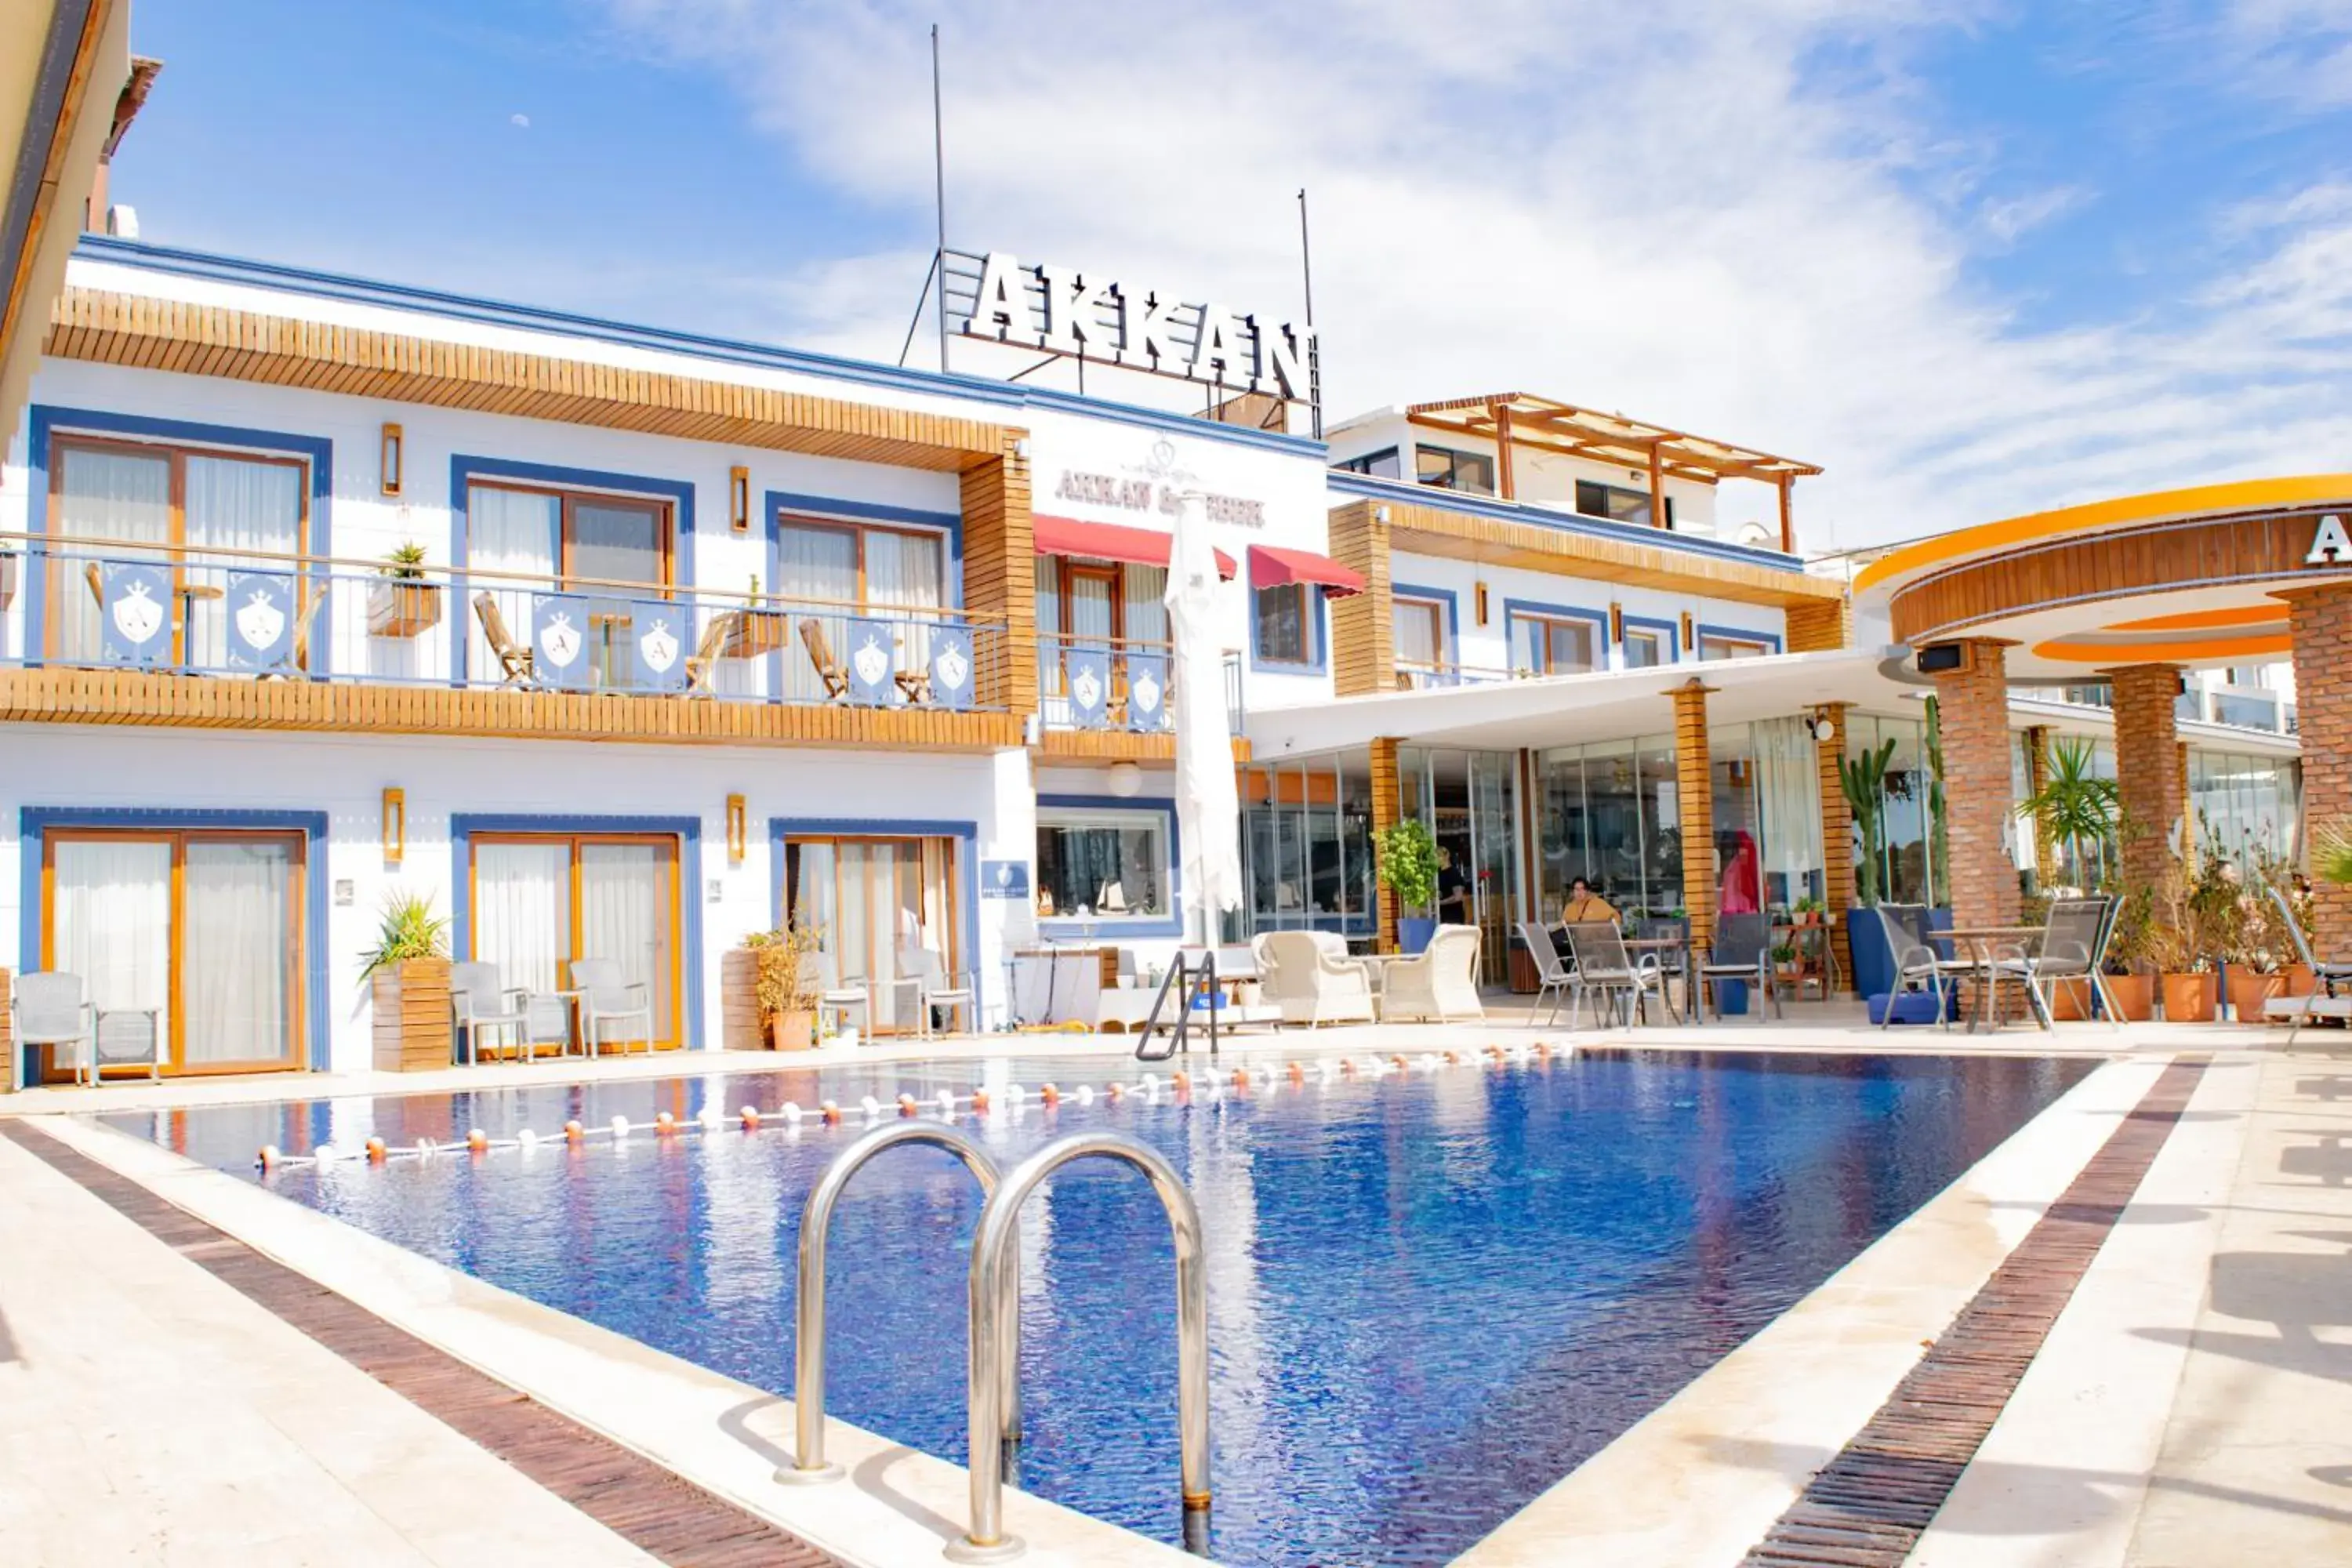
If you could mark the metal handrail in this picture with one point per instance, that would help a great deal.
(1204, 982)
(809, 1465)
(994, 1251)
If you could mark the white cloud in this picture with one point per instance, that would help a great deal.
(1704, 212)
(520, 121)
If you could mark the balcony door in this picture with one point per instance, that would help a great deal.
(877, 901)
(206, 929)
(542, 901)
(531, 542)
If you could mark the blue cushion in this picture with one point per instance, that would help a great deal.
(1910, 1007)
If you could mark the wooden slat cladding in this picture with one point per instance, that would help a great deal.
(111, 328)
(2266, 547)
(1388, 810)
(999, 571)
(183, 702)
(668, 1518)
(1431, 530)
(1115, 746)
(1363, 636)
(1820, 626)
(1837, 833)
(1694, 776)
(1870, 1504)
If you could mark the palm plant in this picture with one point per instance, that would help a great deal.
(409, 929)
(2331, 852)
(1864, 779)
(2074, 805)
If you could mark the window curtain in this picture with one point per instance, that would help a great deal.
(522, 912)
(1147, 612)
(1416, 633)
(106, 496)
(902, 581)
(237, 505)
(625, 914)
(238, 935)
(1788, 795)
(616, 543)
(818, 568)
(110, 922)
(508, 531)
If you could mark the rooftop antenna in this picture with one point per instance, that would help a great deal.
(940, 194)
(1307, 274)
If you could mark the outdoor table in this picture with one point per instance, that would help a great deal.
(1678, 949)
(1981, 941)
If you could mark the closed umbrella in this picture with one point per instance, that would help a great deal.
(1207, 810)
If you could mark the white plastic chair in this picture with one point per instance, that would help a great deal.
(607, 997)
(1300, 972)
(477, 1002)
(1442, 983)
(53, 1010)
(921, 970)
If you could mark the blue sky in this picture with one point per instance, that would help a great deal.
(1973, 257)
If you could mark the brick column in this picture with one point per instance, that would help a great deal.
(2147, 769)
(1973, 706)
(1837, 833)
(1694, 794)
(1387, 810)
(2320, 622)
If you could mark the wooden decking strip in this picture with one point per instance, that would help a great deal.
(659, 1512)
(1868, 1506)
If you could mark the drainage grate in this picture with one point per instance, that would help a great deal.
(1867, 1507)
(653, 1508)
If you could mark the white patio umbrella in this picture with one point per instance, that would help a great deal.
(1207, 809)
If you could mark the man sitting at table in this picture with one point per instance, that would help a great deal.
(1584, 904)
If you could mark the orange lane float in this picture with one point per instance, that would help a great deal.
(751, 1115)
(1050, 1095)
(375, 1150)
(573, 1132)
(905, 1105)
(829, 1111)
(478, 1142)
(664, 1124)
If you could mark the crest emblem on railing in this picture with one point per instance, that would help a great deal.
(1147, 691)
(137, 616)
(951, 669)
(1089, 670)
(871, 659)
(660, 649)
(260, 619)
(558, 639)
(659, 645)
(136, 606)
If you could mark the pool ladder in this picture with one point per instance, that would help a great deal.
(992, 1399)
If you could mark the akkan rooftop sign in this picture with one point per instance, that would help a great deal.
(1087, 316)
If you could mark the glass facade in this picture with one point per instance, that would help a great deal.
(2253, 805)
(1306, 845)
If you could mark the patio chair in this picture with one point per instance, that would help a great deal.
(515, 662)
(1309, 976)
(2074, 946)
(479, 1003)
(1742, 951)
(53, 1010)
(1603, 964)
(702, 664)
(1553, 978)
(921, 972)
(832, 1001)
(1441, 983)
(129, 1036)
(608, 997)
(829, 669)
(2326, 977)
(1911, 947)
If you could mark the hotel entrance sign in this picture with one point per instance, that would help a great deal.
(2330, 545)
(1087, 316)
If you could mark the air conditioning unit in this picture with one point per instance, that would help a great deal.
(1947, 658)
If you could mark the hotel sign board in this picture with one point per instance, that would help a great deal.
(2330, 545)
(1097, 319)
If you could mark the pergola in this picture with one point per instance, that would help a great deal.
(1516, 419)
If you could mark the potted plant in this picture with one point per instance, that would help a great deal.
(2196, 922)
(1807, 911)
(785, 996)
(2076, 807)
(403, 604)
(1406, 854)
(1784, 961)
(409, 971)
(2130, 978)
(2252, 962)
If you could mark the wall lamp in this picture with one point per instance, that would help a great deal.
(389, 456)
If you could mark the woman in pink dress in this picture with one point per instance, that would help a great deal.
(1743, 879)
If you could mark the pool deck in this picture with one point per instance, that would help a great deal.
(2189, 1404)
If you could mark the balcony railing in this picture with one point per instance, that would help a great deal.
(1117, 683)
(249, 614)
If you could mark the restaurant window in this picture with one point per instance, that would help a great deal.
(611, 549)
(1306, 845)
(137, 502)
(1617, 504)
(829, 573)
(1418, 629)
(1285, 631)
(1712, 646)
(1551, 645)
(1102, 865)
(1447, 469)
(1381, 465)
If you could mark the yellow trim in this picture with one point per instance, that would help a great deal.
(2164, 652)
(2271, 615)
(2159, 506)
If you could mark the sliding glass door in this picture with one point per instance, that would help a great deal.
(206, 929)
(878, 903)
(540, 901)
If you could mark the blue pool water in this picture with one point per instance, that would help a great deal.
(1431, 1296)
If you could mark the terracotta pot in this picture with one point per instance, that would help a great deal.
(2189, 998)
(2249, 991)
(2070, 1000)
(2297, 980)
(791, 1031)
(2134, 996)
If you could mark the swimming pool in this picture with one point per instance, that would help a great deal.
(1432, 1294)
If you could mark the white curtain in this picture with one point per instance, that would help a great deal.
(235, 943)
(1787, 792)
(817, 567)
(508, 531)
(903, 579)
(625, 914)
(813, 874)
(238, 505)
(111, 921)
(1415, 626)
(106, 496)
(1146, 618)
(522, 912)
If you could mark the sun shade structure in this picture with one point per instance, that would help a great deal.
(1271, 567)
(1516, 419)
(1110, 542)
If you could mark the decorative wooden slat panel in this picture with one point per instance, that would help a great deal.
(1000, 572)
(1820, 626)
(208, 340)
(1115, 746)
(1695, 788)
(1837, 833)
(1430, 529)
(177, 701)
(1363, 654)
(1388, 808)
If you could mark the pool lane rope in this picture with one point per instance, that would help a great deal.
(1211, 1087)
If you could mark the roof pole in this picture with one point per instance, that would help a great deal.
(1505, 485)
(1657, 484)
(939, 192)
(1787, 522)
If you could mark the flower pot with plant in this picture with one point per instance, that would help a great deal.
(1784, 961)
(1406, 855)
(403, 604)
(409, 974)
(2130, 975)
(785, 983)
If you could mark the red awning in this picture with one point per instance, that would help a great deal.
(1270, 567)
(1109, 542)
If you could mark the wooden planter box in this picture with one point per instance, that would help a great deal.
(412, 1016)
(403, 609)
(739, 1001)
(751, 634)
